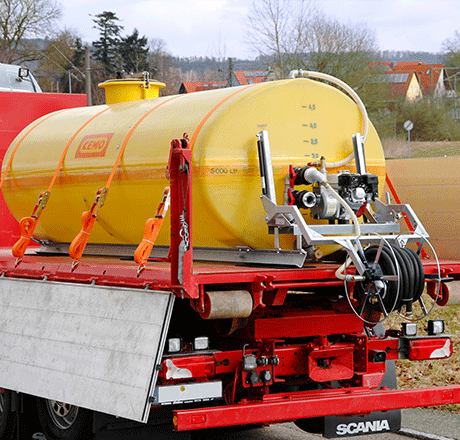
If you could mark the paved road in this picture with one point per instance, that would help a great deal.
(285, 431)
(435, 423)
(417, 423)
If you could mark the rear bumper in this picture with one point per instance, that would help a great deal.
(287, 407)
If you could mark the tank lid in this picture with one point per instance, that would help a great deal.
(131, 89)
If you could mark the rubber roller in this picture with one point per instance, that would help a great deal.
(227, 304)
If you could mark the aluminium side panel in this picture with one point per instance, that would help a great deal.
(92, 346)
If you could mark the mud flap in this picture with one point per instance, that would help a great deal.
(375, 422)
(92, 346)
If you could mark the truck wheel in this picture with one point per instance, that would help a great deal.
(60, 420)
(6, 416)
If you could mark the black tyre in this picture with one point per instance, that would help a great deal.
(7, 417)
(60, 420)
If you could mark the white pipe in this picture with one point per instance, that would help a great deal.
(313, 175)
(354, 96)
(339, 272)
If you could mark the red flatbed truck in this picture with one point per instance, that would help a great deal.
(253, 338)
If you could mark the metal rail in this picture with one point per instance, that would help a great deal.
(292, 406)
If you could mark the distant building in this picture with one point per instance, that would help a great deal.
(243, 78)
(200, 86)
(429, 78)
(240, 78)
(403, 85)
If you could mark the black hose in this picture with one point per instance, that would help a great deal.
(407, 278)
(419, 276)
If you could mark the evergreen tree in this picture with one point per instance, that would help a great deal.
(134, 51)
(107, 47)
(77, 66)
(78, 58)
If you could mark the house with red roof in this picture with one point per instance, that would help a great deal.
(201, 86)
(239, 78)
(243, 78)
(403, 85)
(430, 76)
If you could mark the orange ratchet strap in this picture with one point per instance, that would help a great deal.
(88, 218)
(79, 243)
(27, 224)
(151, 231)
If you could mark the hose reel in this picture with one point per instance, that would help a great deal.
(394, 280)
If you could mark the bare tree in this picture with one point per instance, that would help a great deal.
(218, 70)
(278, 28)
(162, 64)
(340, 50)
(299, 36)
(56, 69)
(25, 19)
(451, 49)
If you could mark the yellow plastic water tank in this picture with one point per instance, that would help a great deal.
(305, 120)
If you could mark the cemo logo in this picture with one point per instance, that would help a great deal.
(94, 145)
(363, 427)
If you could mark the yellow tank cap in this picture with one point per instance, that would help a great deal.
(130, 89)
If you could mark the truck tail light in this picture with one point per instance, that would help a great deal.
(430, 348)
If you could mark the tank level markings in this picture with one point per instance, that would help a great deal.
(312, 125)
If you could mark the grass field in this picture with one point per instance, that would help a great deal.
(424, 374)
(397, 149)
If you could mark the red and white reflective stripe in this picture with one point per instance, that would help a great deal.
(444, 352)
(193, 366)
(175, 372)
(430, 348)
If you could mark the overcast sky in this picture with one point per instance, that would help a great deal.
(206, 27)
